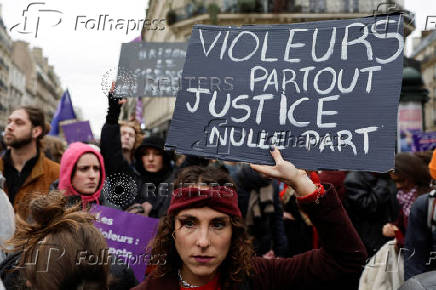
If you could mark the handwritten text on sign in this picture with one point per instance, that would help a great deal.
(326, 93)
(150, 69)
(127, 236)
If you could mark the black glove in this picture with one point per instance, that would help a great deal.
(114, 109)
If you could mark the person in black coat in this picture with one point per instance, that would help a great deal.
(370, 200)
(143, 182)
(154, 165)
(419, 255)
(258, 200)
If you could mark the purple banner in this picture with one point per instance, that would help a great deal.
(77, 132)
(127, 236)
(424, 141)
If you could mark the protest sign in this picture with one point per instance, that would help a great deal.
(150, 69)
(127, 236)
(409, 122)
(424, 141)
(325, 93)
(77, 132)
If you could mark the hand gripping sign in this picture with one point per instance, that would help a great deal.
(325, 93)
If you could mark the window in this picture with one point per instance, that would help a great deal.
(355, 6)
(317, 6)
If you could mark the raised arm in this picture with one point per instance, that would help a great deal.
(342, 255)
(110, 139)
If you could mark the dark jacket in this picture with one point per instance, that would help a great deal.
(268, 230)
(148, 186)
(298, 232)
(418, 241)
(117, 167)
(371, 202)
(157, 186)
(343, 255)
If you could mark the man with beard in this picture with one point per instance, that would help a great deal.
(24, 165)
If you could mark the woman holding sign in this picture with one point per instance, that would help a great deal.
(207, 246)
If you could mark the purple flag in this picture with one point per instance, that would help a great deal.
(77, 132)
(137, 39)
(64, 112)
(127, 236)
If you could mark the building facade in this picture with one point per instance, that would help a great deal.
(181, 15)
(425, 52)
(42, 87)
(26, 78)
(17, 87)
(5, 64)
(48, 90)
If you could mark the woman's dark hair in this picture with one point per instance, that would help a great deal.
(238, 263)
(412, 168)
(59, 246)
(201, 174)
(53, 148)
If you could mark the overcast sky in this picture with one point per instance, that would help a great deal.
(82, 56)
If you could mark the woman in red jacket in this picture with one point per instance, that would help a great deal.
(207, 247)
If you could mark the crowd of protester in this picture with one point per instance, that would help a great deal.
(222, 225)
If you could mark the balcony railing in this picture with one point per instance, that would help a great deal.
(198, 7)
(232, 6)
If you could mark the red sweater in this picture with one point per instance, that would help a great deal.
(342, 256)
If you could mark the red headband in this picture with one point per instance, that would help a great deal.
(220, 198)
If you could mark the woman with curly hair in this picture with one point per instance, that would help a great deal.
(207, 246)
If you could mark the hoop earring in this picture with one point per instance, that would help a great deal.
(174, 235)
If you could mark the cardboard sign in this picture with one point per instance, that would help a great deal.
(77, 132)
(325, 93)
(150, 69)
(127, 236)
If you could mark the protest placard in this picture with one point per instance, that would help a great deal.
(150, 69)
(127, 236)
(325, 93)
(77, 132)
(424, 141)
(409, 122)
